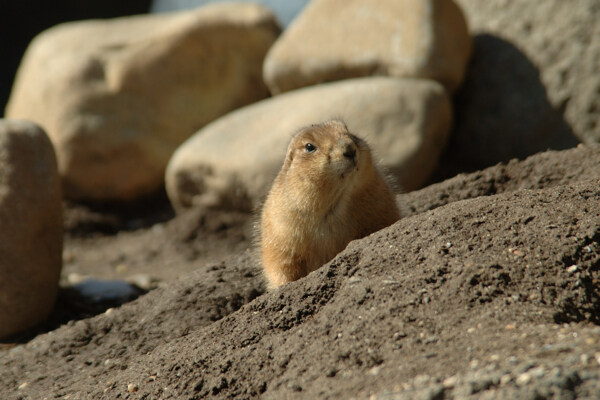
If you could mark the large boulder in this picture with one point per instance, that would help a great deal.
(118, 96)
(31, 226)
(284, 10)
(338, 39)
(231, 162)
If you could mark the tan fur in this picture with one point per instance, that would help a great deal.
(320, 201)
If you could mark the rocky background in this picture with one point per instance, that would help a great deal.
(21, 21)
(137, 149)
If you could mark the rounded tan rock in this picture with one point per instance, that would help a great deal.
(339, 39)
(231, 162)
(118, 96)
(31, 226)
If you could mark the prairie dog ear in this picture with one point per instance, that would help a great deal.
(289, 155)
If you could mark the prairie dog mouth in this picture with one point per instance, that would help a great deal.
(345, 167)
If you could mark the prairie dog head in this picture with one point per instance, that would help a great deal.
(323, 161)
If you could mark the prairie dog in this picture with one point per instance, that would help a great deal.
(327, 193)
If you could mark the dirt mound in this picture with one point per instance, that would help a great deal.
(489, 288)
(543, 170)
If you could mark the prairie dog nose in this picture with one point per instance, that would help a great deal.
(349, 151)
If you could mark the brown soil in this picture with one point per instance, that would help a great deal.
(488, 288)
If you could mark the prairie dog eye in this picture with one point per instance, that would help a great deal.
(309, 147)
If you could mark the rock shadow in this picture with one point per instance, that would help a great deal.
(502, 111)
(71, 306)
(84, 219)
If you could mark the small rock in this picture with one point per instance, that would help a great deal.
(143, 281)
(585, 358)
(75, 278)
(450, 381)
(132, 388)
(354, 279)
(572, 269)
(537, 372)
(523, 379)
(505, 379)
(518, 253)
(421, 380)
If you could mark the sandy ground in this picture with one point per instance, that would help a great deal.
(487, 288)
